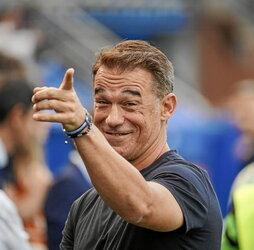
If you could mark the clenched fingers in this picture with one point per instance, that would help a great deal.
(69, 114)
(56, 105)
(47, 93)
(51, 117)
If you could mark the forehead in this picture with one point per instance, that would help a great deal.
(111, 79)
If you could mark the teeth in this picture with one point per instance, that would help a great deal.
(117, 134)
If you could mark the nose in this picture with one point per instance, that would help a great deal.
(115, 117)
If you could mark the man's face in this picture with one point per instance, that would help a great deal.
(127, 111)
(243, 110)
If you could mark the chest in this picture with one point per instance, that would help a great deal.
(98, 227)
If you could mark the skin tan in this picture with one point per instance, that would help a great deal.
(129, 117)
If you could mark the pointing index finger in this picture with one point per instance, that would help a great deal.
(67, 82)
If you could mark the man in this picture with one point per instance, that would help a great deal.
(14, 124)
(145, 195)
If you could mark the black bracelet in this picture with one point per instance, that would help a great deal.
(77, 132)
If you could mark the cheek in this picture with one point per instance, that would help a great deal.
(141, 123)
(150, 126)
(98, 117)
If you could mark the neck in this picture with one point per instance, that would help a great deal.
(152, 153)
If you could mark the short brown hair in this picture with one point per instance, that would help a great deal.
(131, 54)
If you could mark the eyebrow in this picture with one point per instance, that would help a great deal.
(127, 91)
(132, 92)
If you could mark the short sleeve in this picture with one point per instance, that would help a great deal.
(189, 189)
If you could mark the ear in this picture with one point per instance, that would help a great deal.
(168, 105)
(15, 116)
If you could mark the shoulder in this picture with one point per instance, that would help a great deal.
(187, 182)
(191, 187)
(172, 165)
(181, 176)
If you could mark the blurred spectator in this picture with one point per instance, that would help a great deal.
(241, 107)
(239, 222)
(29, 188)
(24, 177)
(69, 185)
(14, 103)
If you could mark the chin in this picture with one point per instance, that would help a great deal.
(123, 152)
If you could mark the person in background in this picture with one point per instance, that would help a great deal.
(145, 195)
(14, 105)
(29, 186)
(239, 222)
(24, 177)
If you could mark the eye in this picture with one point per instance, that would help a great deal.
(129, 104)
(102, 102)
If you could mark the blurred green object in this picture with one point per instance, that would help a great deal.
(239, 223)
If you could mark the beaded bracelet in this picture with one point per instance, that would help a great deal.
(77, 132)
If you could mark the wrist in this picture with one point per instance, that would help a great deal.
(83, 129)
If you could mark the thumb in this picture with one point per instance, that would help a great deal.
(67, 82)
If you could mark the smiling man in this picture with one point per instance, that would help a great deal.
(128, 114)
(145, 195)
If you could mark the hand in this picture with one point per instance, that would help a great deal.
(64, 101)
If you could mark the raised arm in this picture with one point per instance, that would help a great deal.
(119, 183)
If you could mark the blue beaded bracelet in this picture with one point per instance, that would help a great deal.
(77, 132)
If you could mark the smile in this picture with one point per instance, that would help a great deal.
(117, 134)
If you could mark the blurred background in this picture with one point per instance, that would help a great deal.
(210, 43)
